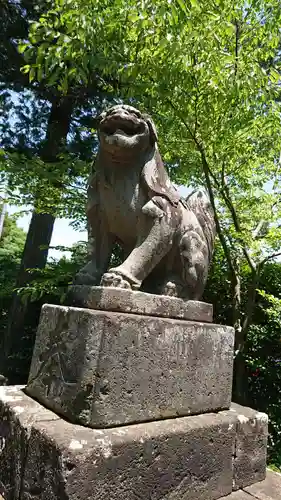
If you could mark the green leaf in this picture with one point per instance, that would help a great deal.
(195, 4)
(32, 74)
(22, 47)
(182, 5)
(39, 73)
(26, 68)
(54, 77)
(274, 75)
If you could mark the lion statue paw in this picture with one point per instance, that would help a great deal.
(115, 280)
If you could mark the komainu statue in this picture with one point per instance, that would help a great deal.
(167, 240)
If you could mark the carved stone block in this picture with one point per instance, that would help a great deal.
(103, 369)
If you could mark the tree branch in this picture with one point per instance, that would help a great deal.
(224, 191)
(270, 257)
(237, 34)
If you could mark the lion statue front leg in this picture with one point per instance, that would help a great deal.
(157, 229)
(171, 241)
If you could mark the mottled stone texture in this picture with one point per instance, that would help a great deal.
(269, 489)
(250, 446)
(167, 241)
(18, 413)
(43, 456)
(104, 369)
(189, 457)
(148, 304)
(168, 459)
(238, 495)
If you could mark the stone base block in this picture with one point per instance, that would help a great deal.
(147, 304)
(269, 489)
(104, 369)
(48, 458)
(18, 415)
(250, 447)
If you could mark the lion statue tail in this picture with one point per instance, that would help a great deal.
(199, 202)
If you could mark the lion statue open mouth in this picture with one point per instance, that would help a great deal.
(167, 241)
(122, 124)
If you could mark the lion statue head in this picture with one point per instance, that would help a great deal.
(123, 128)
(127, 135)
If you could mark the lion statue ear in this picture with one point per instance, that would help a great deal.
(152, 129)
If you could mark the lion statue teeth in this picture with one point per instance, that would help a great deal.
(167, 241)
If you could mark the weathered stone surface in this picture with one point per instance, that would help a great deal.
(188, 457)
(238, 495)
(167, 241)
(250, 446)
(269, 489)
(18, 413)
(104, 369)
(43, 456)
(148, 304)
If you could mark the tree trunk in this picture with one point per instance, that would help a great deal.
(240, 380)
(239, 365)
(19, 338)
(2, 218)
(241, 393)
(240, 376)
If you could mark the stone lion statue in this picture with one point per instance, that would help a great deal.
(167, 240)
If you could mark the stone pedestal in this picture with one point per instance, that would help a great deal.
(188, 458)
(103, 369)
(147, 304)
(268, 489)
(150, 380)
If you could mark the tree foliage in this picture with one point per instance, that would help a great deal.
(42, 159)
(11, 247)
(209, 72)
